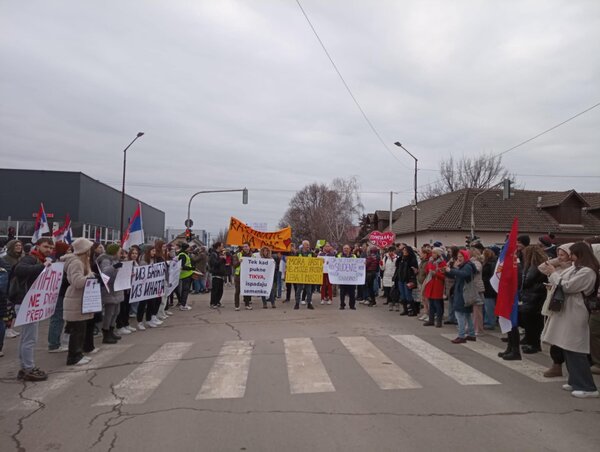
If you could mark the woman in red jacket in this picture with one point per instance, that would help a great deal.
(434, 287)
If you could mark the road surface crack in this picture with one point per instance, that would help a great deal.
(235, 330)
(22, 419)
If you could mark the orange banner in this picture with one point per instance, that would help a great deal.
(239, 233)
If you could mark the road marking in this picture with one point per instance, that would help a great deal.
(306, 372)
(450, 366)
(229, 374)
(380, 368)
(525, 367)
(141, 383)
(58, 381)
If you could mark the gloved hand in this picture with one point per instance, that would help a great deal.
(118, 265)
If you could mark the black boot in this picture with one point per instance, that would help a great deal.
(404, 307)
(309, 306)
(438, 322)
(297, 306)
(113, 334)
(107, 337)
(515, 351)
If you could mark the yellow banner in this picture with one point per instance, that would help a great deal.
(239, 233)
(304, 270)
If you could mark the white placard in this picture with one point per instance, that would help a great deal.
(174, 270)
(256, 276)
(40, 301)
(92, 297)
(148, 281)
(326, 260)
(347, 271)
(123, 278)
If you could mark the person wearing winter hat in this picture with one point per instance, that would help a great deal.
(109, 264)
(462, 274)
(77, 270)
(547, 242)
(434, 286)
(56, 324)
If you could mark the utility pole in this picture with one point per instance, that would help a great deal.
(416, 202)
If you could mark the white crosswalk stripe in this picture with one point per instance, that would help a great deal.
(306, 372)
(447, 364)
(229, 374)
(525, 366)
(58, 382)
(144, 379)
(380, 368)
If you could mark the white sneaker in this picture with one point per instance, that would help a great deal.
(131, 329)
(83, 361)
(249, 308)
(93, 352)
(567, 387)
(168, 313)
(141, 326)
(185, 308)
(10, 333)
(151, 324)
(322, 301)
(1, 353)
(162, 317)
(328, 301)
(585, 394)
(156, 321)
(60, 349)
(303, 302)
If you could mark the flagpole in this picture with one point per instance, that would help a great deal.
(121, 232)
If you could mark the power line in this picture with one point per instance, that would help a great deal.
(348, 87)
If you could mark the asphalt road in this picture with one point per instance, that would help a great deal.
(285, 380)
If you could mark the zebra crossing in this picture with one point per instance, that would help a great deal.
(306, 371)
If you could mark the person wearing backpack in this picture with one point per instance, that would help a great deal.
(462, 274)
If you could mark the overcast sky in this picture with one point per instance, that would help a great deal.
(234, 94)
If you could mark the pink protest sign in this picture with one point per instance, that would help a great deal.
(382, 239)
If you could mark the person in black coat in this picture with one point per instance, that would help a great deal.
(406, 279)
(532, 296)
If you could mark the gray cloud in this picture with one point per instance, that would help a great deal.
(233, 94)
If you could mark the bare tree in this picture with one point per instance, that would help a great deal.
(222, 236)
(482, 171)
(326, 212)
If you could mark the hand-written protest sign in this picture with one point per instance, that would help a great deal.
(174, 269)
(382, 239)
(123, 278)
(347, 271)
(304, 270)
(239, 233)
(40, 301)
(148, 281)
(256, 276)
(92, 297)
(326, 260)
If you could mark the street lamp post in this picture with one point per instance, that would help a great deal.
(121, 231)
(415, 207)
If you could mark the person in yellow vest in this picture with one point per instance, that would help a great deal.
(237, 266)
(305, 251)
(185, 277)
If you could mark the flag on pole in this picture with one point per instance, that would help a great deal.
(41, 225)
(134, 235)
(64, 233)
(506, 282)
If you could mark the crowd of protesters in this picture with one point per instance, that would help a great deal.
(436, 284)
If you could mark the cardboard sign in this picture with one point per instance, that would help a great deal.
(326, 260)
(40, 301)
(123, 278)
(347, 271)
(92, 297)
(304, 270)
(240, 233)
(173, 270)
(256, 276)
(382, 239)
(147, 282)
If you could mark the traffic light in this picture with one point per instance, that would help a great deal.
(188, 235)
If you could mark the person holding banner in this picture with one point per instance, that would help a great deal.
(77, 270)
(109, 263)
(265, 253)
(347, 289)
(149, 307)
(326, 287)
(237, 265)
(123, 326)
(24, 275)
(305, 251)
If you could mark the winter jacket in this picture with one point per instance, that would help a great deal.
(533, 291)
(404, 269)
(487, 272)
(75, 273)
(24, 275)
(461, 276)
(216, 264)
(372, 263)
(389, 267)
(434, 288)
(569, 328)
(106, 264)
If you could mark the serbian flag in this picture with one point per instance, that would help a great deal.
(506, 282)
(64, 233)
(41, 225)
(134, 235)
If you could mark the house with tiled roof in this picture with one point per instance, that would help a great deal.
(569, 215)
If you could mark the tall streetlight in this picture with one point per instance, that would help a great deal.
(121, 231)
(415, 207)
